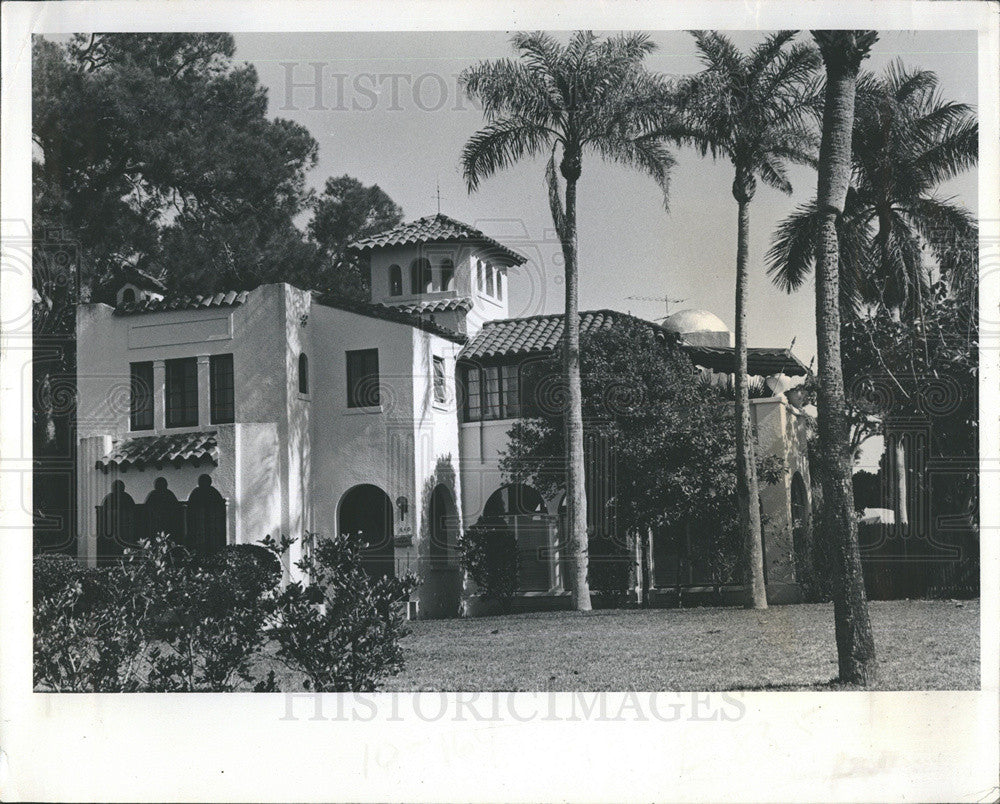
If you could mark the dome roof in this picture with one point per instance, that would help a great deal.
(684, 321)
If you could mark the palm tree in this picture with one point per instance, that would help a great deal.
(843, 52)
(756, 111)
(566, 100)
(906, 141)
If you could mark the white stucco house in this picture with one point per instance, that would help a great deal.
(281, 411)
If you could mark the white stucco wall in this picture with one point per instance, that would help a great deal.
(263, 496)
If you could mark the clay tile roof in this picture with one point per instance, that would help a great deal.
(433, 306)
(762, 361)
(230, 298)
(158, 451)
(386, 313)
(540, 333)
(434, 229)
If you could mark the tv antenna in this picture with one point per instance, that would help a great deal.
(439, 195)
(667, 301)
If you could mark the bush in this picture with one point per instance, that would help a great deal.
(489, 555)
(162, 620)
(342, 631)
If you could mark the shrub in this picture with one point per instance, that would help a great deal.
(156, 620)
(342, 630)
(489, 554)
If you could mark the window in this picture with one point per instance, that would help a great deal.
(447, 274)
(481, 279)
(499, 285)
(182, 392)
(495, 392)
(421, 277)
(472, 405)
(141, 407)
(222, 398)
(440, 390)
(362, 378)
(303, 374)
(395, 280)
(489, 280)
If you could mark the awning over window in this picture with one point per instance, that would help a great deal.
(167, 450)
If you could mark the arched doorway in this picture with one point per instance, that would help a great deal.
(366, 512)
(523, 509)
(801, 527)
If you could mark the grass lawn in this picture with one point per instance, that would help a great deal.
(921, 645)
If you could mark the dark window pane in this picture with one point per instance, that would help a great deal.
(362, 378)
(395, 280)
(141, 414)
(440, 394)
(223, 398)
(471, 385)
(182, 392)
(303, 374)
(491, 381)
(510, 407)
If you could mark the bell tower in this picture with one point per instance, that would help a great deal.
(440, 268)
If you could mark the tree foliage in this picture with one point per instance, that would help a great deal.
(907, 140)
(671, 437)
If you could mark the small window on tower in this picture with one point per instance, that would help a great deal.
(447, 274)
(395, 280)
(499, 285)
(480, 276)
(489, 280)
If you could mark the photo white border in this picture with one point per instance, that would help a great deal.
(830, 746)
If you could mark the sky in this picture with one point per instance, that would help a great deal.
(388, 111)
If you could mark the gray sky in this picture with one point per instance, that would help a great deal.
(391, 115)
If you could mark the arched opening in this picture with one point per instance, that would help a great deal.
(164, 512)
(490, 280)
(303, 373)
(500, 281)
(366, 513)
(443, 517)
(421, 278)
(395, 280)
(523, 509)
(206, 518)
(447, 274)
(115, 523)
(801, 527)
(128, 296)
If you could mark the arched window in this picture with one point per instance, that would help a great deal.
(128, 296)
(303, 374)
(481, 279)
(489, 280)
(420, 276)
(499, 285)
(447, 274)
(395, 280)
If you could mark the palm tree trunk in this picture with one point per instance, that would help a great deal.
(576, 490)
(747, 490)
(855, 644)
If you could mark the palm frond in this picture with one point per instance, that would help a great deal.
(646, 154)
(717, 52)
(955, 151)
(793, 248)
(500, 145)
